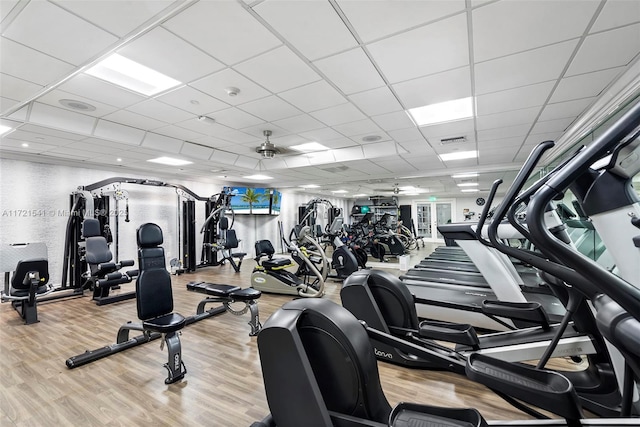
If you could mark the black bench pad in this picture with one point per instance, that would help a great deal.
(248, 294)
(213, 289)
(165, 324)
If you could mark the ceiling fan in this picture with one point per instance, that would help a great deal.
(268, 149)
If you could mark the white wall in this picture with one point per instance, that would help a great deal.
(34, 205)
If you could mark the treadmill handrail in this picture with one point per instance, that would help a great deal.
(485, 211)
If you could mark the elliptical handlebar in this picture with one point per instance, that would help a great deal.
(485, 211)
(624, 130)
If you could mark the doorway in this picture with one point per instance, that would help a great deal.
(430, 214)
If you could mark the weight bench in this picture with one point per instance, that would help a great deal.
(227, 295)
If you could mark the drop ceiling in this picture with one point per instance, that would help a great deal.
(333, 72)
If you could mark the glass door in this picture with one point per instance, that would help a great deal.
(431, 214)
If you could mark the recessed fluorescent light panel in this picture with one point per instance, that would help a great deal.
(258, 176)
(468, 184)
(310, 186)
(4, 129)
(124, 72)
(448, 111)
(458, 155)
(339, 191)
(309, 147)
(359, 195)
(170, 161)
(465, 175)
(470, 190)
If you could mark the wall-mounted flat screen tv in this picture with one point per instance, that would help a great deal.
(255, 201)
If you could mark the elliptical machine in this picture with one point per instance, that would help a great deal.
(271, 274)
(343, 260)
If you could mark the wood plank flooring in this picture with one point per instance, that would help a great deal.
(223, 385)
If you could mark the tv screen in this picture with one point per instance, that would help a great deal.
(255, 201)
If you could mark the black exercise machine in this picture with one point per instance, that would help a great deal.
(227, 242)
(103, 274)
(155, 307)
(29, 281)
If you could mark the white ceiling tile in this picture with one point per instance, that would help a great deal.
(270, 108)
(321, 157)
(28, 64)
(223, 157)
(198, 127)
(551, 126)
(404, 135)
(338, 143)
(507, 118)
(51, 132)
(419, 146)
(215, 85)
(538, 138)
(380, 149)
(235, 118)
(565, 109)
(453, 84)
(155, 141)
(59, 118)
(102, 146)
(321, 135)
(513, 99)
(53, 97)
(393, 121)
(211, 141)
(277, 70)
(427, 50)
(238, 137)
(68, 153)
(297, 161)
(339, 114)
(377, 101)
(17, 89)
(314, 96)
(348, 153)
(60, 39)
(506, 27)
(5, 7)
(258, 131)
(627, 45)
(502, 155)
(120, 17)
(36, 138)
(20, 115)
(133, 119)
(351, 71)
(375, 19)
(90, 87)
(359, 138)
(312, 27)
(6, 104)
(503, 132)
(192, 100)
(117, 132)
(450, 129)
(10, 144)
(175, 54)
(366, 126)
(584, 85)
(524, 68)
(160, 111)
(298, 124)
(616, 13)
(503, 143)
(274, 164)
(233, 33)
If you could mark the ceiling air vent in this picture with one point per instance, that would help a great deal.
(454, 140)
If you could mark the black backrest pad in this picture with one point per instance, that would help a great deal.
(97, 249)
(342, 360)
(264, 247)
(231, 240)
(91, 228)
(39, 265)
(153, 287)
(394, 299)
(223, 223)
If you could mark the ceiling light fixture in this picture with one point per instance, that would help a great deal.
(267, 150)
(469, 190)
(371, 138)
(468, 184)
(118, 159)
(442, 112)
(258, 176)
(124, 72)
(458, 155)
(206, 120)
(4, 129)
(170, 161)
(25, 145)
(310, 186)
(464, 175)
(309, 147)
(339, 191)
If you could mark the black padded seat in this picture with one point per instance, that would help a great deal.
(20, 286)
(165, 324)
(247, 294)
(212, 288)
(272, 264)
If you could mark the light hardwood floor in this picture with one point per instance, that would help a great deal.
(223, 385)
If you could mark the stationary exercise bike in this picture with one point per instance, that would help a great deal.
(271, 274)
(343, 259)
